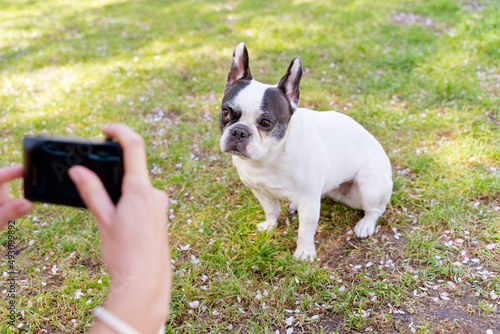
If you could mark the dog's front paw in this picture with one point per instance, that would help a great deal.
(305, 254)
(267, 226)
(365, 228)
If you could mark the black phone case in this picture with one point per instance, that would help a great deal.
(47, 160)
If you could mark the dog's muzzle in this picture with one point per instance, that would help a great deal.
(239, 134)
(236, 140)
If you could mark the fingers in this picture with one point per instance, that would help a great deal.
(5, 195)
(10, 173)
(134, 152)
(93, 193)
(7, 174)
(14, 210)
(11, 209)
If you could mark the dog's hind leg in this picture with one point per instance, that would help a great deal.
(375, 189)
(366, 226)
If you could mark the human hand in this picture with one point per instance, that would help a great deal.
(133, 237)
(10, 208)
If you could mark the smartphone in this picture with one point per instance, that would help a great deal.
(47, 160)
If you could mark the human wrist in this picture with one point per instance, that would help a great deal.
(141, 301)
(140, 297)
(143, 313)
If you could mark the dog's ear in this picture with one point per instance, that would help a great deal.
(239, 66)
(290, 82)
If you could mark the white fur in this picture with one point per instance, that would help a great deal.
(320, 151)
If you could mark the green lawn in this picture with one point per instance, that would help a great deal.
(422, 76)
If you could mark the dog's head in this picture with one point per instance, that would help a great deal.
(254, 116)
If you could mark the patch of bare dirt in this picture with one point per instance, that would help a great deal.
(91, 265)
(457, 316)
(158, 115)
(489, 80)
(491, 200)
(439, 305)
(404, 18)
(472, 6)
(333, 324)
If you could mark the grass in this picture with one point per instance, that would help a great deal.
(426, 88)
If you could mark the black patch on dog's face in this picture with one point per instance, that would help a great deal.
(276, 108)
(231, 92)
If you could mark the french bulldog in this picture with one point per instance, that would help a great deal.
(283, 152)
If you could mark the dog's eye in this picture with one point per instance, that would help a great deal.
(265, 123)
(226, 114)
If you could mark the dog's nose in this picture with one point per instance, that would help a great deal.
(240, 134)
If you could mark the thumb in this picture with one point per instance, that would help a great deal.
(93, 193)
